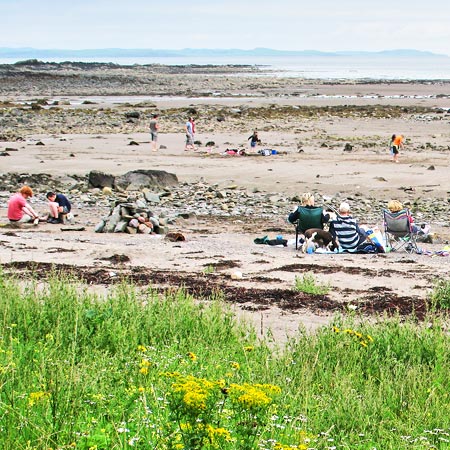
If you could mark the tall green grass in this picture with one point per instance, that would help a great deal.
(141, 370)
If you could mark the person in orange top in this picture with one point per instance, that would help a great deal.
(396, 144)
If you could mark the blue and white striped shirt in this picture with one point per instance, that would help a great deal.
(347, 232)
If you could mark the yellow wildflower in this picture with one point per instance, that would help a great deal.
(235, 365)
(141, 348)
(249, 348)
(370, 338)
(144, 370)
(253, 396)
(36, 397)
(336, 329)
(192, 356)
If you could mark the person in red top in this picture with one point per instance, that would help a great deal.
(19, 210)
(396, 144)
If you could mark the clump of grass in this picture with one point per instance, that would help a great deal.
(309, 285)
(440, 296)
(209, 269)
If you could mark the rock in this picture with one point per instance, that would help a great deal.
(431, 168)
(40, 143)
(348, 147)
(133, 115)
(175, 237)
(151, 197)
(133, 223)
(140, 179)
(144, 229)
(121, 226)
(162, 230)
(133, 143)
(100, 180)
(100, 227)
(154, 221)
(106, 190)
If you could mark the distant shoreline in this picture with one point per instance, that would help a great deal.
(355, 70)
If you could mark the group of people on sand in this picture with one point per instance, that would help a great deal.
(396, 142)
(345, 234)
(20, 210)
(189, 129)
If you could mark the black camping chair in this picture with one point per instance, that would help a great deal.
(398, 231)
(307, 218)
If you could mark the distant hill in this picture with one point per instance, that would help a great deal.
(32, 53)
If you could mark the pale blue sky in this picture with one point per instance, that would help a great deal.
(326, 25)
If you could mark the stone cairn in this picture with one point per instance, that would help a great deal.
(132, 217)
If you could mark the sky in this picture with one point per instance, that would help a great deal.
(324, 25)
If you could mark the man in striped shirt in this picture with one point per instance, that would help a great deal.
(346, 231)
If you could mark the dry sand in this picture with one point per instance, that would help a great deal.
(217, 247)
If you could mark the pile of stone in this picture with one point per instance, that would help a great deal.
(132, 217)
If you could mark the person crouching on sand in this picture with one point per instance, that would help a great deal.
(59, 206)
(19, 210)
(254, 139)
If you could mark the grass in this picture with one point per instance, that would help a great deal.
(308, 284)
(440, 296)
(143, 370)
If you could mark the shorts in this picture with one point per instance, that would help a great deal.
(65, 210)
(394, 150)
(24, 219)
(154, 136)
(253, 144)
(189, 139)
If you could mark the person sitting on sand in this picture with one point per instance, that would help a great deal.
(307, 200)
(59, 206)
(423, 230)
(19, 210)
(254, 139)
(346, 231)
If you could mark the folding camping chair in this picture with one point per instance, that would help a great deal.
(307, 218)
(398, 231)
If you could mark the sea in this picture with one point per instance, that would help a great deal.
(316, 67)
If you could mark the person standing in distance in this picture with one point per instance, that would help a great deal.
(154, 127)
(189, 128)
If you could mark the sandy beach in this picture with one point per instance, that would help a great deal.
(331, 139)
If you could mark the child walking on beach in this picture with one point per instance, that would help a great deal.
(396, 144)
